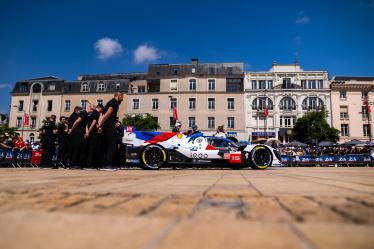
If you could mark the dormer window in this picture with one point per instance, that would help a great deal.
(117, 86)
(101, 87)
(52, 86)
(84, 87)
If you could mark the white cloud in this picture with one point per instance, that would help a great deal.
(6, 86)
(107, 48)
(302, 18)
(145, 53)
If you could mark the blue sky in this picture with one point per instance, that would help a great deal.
(68, 38)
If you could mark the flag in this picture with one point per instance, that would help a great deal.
(266, 111)
(175, 113)
(26, 120)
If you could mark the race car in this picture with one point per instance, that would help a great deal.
(157, 149)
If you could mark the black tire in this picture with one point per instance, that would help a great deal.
(260, 157)
(153, 157)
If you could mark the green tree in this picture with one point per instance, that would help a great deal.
(141, 122)
(6, 129)
(314, 127)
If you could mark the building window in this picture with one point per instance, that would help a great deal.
(343, 112)
(141, 89)
(231, 103)
(135, 104)
(19, 122)
(211, 70)
(234, 85)
(254, 84)
(270, 84)
(193, 70)
(192, 85)
(49, 105)
(33, 122)
(311, 84)
(287, 121)
(52, 86)
(117, 86)
(173, 103)
(303, 84)
(101, 87)
(312, 103)
(287, 103)
(366, 130)
(211, 103)
(320, 84)
(344, 130)
(35, 105)
(84, 104)
(174, 71)
(287, 83)
(171, 122)
(32, 137)
(342, 94)
(192, 103)
(364, 94)
(154, 104)
(173, 85)
(364, 111)
(99, 102)
(20, 105)
(191, 122)
(23, 88)
(211, 122)
(229, 70)
(67, 105)
(231, 122)
(262, 84)
(261, 102)
(211, 85)
(84, 87)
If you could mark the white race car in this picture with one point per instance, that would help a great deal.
(156, 149)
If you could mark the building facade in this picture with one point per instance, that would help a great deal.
(349, 111)
(206, 95)
(274, 99)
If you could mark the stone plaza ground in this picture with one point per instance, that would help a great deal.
(191, 208)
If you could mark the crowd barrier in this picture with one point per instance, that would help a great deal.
(340, 160)
(23, 158)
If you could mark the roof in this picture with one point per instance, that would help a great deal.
(356, 78)
(130, 76)
(195, 70)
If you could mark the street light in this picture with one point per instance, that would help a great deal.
(16, 106)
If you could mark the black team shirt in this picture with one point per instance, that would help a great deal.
(81, 127)
(94, 115)
(48, 128)
(111, 121)
(72, 119)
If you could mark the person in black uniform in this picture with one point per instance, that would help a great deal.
(72, 118)
(63, 150)
(107, 123)
(120, 153)
(93, 137)
(77, 133)
(49, 131)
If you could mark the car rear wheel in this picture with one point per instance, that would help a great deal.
(153, 157)
(261, 157)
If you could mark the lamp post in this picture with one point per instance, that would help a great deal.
(23, 111)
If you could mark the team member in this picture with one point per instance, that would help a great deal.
(72, 118)
(49, 131)
(107, 123)
(119, 155)
(93, 137)
(63, 143)
(177, 127)
(77, 132)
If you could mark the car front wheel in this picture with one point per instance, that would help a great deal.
(261, 157)
(153, 157)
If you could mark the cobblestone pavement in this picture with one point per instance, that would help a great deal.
(276, 208)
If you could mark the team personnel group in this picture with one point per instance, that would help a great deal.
(86, 139)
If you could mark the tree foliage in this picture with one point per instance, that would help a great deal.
(6, 129)
(141, 122)
(313, 127)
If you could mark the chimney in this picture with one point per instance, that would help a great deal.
(194, 61)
